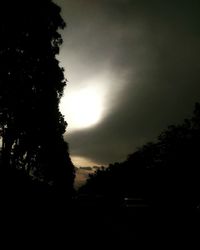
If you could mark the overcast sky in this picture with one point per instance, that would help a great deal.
(144, 56)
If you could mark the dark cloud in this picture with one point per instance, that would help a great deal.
(86, 168)
(152, 49)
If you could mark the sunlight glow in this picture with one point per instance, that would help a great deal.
(80, 161)
(83, 108)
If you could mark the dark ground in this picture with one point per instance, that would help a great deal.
(88, 223)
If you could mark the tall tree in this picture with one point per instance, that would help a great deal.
(31, 85)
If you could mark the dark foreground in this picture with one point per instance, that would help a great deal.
(93, 223)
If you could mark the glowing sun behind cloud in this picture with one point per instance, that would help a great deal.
(83, 108)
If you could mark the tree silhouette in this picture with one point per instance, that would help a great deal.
(165, 172)
(31, 85)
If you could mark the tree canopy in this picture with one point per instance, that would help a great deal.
(165, 172)
(31, 85)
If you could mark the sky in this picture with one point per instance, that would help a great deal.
(133, 68)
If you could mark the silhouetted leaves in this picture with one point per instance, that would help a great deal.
(31, 84)
(165, 173)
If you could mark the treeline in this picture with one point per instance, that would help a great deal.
(165, 173)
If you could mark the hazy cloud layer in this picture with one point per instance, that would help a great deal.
(151, 51)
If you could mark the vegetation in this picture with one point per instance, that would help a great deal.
(31, 85)
(165, 173)
(34, 153)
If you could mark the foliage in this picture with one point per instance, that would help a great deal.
(164, 172)
(31, 84)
